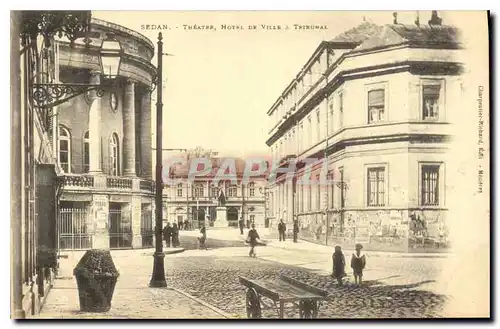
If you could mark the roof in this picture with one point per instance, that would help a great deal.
(182, 169)
(442, 36)
(359, 33)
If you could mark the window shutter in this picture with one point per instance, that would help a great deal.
(376, 97)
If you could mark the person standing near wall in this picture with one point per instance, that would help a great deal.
(281, 230)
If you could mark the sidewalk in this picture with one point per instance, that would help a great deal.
(318, 248)
(132, 299)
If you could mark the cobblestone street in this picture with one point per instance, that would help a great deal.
(205, 283)
(215, 280)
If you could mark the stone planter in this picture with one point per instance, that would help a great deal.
(96, 277)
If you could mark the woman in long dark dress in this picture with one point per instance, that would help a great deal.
(175, 235)
(338, 265)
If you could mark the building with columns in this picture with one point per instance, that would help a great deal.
(222, 203)
(375, 103)
(103, 145)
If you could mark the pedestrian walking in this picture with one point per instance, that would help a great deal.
(252, 238)
(281, 230)
(295, 230)
(202, 238)
(175, 236)
(167, 234)
(179, 224)
(338, 265)
(186, 225)
(358, 263)
(241, 225)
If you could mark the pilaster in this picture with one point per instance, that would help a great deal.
(129, 130)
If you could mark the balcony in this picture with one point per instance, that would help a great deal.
(86, 182)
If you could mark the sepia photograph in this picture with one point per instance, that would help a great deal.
(249, 164)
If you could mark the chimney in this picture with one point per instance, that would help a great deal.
(435, 19)
(395, 15)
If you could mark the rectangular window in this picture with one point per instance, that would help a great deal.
(179, 218)
(252, 191)
(179, 190)
(430, 101)
(232, 191)
(376, 105)
(430, 185)
(376, 186)
(252, 219)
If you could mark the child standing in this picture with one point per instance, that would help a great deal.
(338, 265)
(358, 263)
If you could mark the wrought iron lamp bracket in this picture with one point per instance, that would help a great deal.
(48, 95)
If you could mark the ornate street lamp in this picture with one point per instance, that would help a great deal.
(110, 59)
(48, 95)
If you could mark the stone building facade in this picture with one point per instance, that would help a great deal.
(103, 143)
(222, 203)
(375, 105)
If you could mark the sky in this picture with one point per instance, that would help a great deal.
(219, 85)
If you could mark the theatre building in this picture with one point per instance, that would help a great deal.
(375, 103)
(103, 145)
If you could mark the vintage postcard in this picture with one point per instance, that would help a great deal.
(250, 164)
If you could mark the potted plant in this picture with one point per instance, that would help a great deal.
(96, 277)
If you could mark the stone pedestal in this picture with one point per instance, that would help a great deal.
(221, 219)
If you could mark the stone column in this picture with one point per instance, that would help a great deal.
(136, 222)
(129, 130)
(95, 128)
(146, 150)
(100, 214)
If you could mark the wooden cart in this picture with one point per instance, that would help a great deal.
(283, 292)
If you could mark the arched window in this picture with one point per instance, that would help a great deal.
(114, 155)
(198, 191)
(86, 153)
(64, 149)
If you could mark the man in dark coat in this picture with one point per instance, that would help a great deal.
(295, 230)
(167, 234)
(281, 230)
(241, 225)
(252, 238)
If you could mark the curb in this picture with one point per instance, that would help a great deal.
(376, 253)
(213, 308)
(166, 252)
